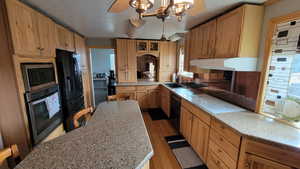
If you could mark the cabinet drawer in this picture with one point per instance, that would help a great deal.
(127, 88)
(227, 147)
(227, 132)
(221, 154)
(213, 162)
(205, 117)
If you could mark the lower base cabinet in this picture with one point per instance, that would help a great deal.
(147, 96)
(199, 137)
(186, 119)
(256, 162)
(195, 131)
(165, 98)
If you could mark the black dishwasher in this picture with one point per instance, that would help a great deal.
(175, 111)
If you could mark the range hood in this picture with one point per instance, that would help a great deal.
(231, 64)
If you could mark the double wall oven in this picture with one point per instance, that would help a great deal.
(42, 99)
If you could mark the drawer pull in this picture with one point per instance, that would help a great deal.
(221, 139)
(218, 163)
(223, 127)
(219, 151)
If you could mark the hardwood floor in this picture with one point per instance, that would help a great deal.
(163, 157)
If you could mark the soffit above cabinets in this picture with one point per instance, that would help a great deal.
(90, 17)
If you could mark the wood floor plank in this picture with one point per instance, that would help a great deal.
(163, 156)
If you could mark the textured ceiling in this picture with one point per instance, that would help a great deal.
(91, 19)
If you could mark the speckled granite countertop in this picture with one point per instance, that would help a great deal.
(115, 137)
(245, 122)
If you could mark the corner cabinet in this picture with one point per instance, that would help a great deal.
(126, 60)
(256, 162)
(259, 154)
(32, 33)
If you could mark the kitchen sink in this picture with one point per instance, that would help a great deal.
(174, 85)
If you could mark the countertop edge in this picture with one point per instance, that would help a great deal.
(147, 158)
(233, 128)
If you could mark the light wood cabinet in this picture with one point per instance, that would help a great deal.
(142, 46)
(147, 96)
(256, 162)
(153, 98)
(80, 49)
(167, 61)
(186, 119)
(154, 46)
(141, 97)
(165, 100)
(208, 39)
(87, 93)
(64, 39)
(238, 32)
(234, 34)
(187, 46)
(23, 25)
(199, 137)
(228, 34)
(259, 154)
(214, 162)
(46, 29)
(147, 46)
(195, 128)
(32, 32)
(126, 60)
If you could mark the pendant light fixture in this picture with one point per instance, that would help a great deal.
(141, 5)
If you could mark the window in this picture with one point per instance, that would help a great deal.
(282, 92)
(181, 64)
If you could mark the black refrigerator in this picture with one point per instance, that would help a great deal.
(70, 83)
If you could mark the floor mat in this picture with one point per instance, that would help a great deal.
(157, 114)
(185, 155)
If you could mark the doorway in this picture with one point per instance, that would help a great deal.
(103, 62)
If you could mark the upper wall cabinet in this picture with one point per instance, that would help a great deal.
(234, 34)
(147, 46)
(46, 28)
(203, 41)
(64, 39)
(238, 32)
(81, 50)
(32, 33)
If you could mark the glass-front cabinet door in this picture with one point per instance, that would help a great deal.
(153, 46)
(142, 46)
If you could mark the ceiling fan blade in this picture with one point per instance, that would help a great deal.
(119, 6)
(198, 7)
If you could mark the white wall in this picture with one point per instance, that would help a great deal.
(101, 61)
(281, 8)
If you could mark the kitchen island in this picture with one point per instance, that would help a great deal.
(115, 137)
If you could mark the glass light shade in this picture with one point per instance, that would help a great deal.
(141, 5)
(180, 6)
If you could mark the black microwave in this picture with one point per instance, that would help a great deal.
(38, 75)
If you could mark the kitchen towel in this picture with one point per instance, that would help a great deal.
(53, 104)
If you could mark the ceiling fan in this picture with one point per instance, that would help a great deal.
(177, 8)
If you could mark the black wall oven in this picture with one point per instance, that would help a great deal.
(38, 75)
(42, 98)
